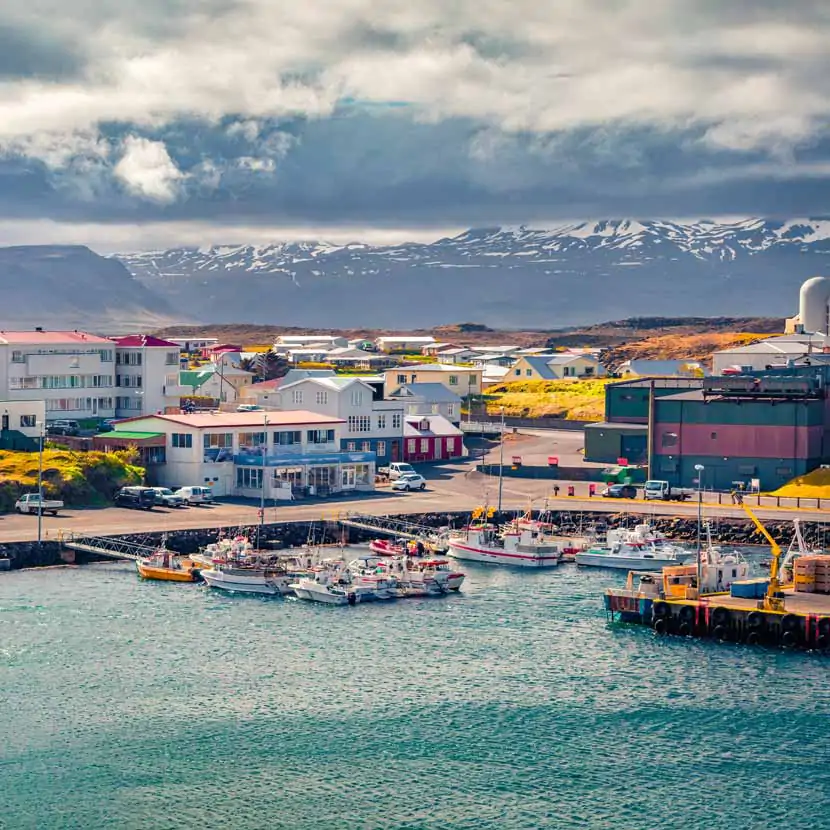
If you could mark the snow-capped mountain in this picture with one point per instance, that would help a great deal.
(569, 274)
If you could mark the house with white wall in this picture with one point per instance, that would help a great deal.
(370, 424)
(555, 367)
(26, 417)
(146, 376)
(288, 454)
(463, 380)
(73, 372)
(428, 399)
(403, 343)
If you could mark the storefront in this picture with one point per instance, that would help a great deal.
(292, 476)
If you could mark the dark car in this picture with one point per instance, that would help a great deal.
(63, 428)
(620, 491)
(138, 498)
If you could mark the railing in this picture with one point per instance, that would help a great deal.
(110, 546)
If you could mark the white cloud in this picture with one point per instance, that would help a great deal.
(147, 170)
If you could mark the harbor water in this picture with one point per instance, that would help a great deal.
(513, 704)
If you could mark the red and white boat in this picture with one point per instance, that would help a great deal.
(520, 547)
(383, 547)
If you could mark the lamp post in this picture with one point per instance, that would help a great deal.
(41, 434)
(699, 469)
(262, 490)
(501, 457)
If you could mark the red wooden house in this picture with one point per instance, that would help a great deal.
(431, 438)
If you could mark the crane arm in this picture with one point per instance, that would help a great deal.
(776, 548)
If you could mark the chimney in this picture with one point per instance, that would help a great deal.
(38, 328)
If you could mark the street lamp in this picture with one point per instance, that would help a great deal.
(41, 436)
(501, 457)
(699, 469)
(264, 448)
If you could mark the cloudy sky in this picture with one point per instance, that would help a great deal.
(135, 124)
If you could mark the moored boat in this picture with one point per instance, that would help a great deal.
(634, 550)
(166, 566)
(482, 542)
(247, 579)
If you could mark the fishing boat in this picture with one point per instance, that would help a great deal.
(385, 547)
(548, 533)
(310, 589)
(247, 579)
(166, 566)
(633, 550)
(483, 542)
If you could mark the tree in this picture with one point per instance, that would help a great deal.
(266, 366)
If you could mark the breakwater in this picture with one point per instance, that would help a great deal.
(293, 534)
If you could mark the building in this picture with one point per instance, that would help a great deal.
(290, 454)
(556, 367)
(370, 424)
(358, 359)
(813, 308)
(463, 381)
(494, 375)
(146, 376)
(638, 368)
(194, 345)
(610, 443)
(459, 354)
(431, 438)
(286, 342)
(429, 399)
(72, 371)
(772, 353)
(407, 343)
(757, 430)
(21, 424)
(225, 384)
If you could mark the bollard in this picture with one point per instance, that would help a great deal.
(571, 490)
(592, 489)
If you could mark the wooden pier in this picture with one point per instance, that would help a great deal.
(804, 622)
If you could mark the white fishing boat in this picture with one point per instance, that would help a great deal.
(634, 550)
(247, 579)
(520, 547)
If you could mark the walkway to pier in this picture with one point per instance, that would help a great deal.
(108, 546)
(399, 528)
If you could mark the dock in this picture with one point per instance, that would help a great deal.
(388, 526)
(110, 547)
(804, 622)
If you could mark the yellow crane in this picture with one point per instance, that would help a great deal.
(771, 602)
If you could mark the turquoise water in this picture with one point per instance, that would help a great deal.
(130, 704)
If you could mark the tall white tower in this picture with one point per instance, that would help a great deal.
(814, 305)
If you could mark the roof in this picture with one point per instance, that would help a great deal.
(659, 367)
(143, 341)
(293, 375)
(205, 420)
(776, 346)
(399, 339)
(434, 367)
(540, 366)
(439, 426)
(336, 383)
(345, 353)
(619, 426)
(22, 338)
(195, 377)
(129, 435)
(428, 392)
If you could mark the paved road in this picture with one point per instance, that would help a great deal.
(451, 487)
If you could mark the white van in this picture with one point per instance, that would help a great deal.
(196, 495)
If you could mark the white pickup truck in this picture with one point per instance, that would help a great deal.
(664, 491)
(396, 470)
(31, 502)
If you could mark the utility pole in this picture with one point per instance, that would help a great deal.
(699, 468)
(501, 457)
(264, 448)
(40, 484)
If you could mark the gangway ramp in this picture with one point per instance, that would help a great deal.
(113, 547)
(389, 526)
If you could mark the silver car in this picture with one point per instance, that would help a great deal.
(165, 497)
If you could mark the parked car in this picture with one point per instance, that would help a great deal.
(63, 428)
(620, 491)
(196, 495)
(248, 407)
(31, 501)
(409, 481)
(664, 491)
(396, 470)
(165, 497)
(137, 498)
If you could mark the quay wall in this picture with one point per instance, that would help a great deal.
(292, 534)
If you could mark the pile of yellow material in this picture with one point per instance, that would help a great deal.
(815, 485)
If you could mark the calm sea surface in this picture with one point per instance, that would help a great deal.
(130, 704)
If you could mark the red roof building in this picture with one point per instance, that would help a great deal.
(143, 341)
(431, 438)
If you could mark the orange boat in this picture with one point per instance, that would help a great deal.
(165, 565)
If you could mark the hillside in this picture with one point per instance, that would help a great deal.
(573, 400)
(70, 286)
(510, 278)
(677, 347)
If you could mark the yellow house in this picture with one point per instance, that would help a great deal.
(555, 367)
(463, 380)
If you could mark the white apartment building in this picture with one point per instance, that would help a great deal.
(72, 372)
(290, 454)
(370, 424)
(146, 376)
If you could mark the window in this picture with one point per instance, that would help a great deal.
(28, 421)
(360, 423)
(401, 378)
(105, 355)
(473, 381)
(220, 440)
(713, 435)
(182, 440)
(425, 445)
(366, 446)
(589, 370)
(361, 475)
(129, 358)
(171, 359)
(381, 449)
(18, 357)
(381, 422)
(351, 446)
(357, 397)
(528, 372)
(251, 440)
(518, 372)
(434, 409)
(249, 478)
(397, 420)
(450, 410)
(669, 439)
(106, 403)
(451, 445)
(410, 446)
(296, 396)
(322, 396)
(453, 380)
(320, 436)
(288, 438)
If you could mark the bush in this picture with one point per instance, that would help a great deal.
(80, 479)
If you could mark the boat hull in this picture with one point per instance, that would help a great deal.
(625, 563)
(313, 594)
(166, 574)
(246, 585)
(472, 553)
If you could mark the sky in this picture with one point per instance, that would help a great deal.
(163, 122)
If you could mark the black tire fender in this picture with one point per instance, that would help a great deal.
(687, 613)
(661, 626)
(661, 610)
(720, 617)
(790, 623)
(753, 638)
(756, 621)
(823, 626)
(789, 639)
(720, 632)
(685, 629)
